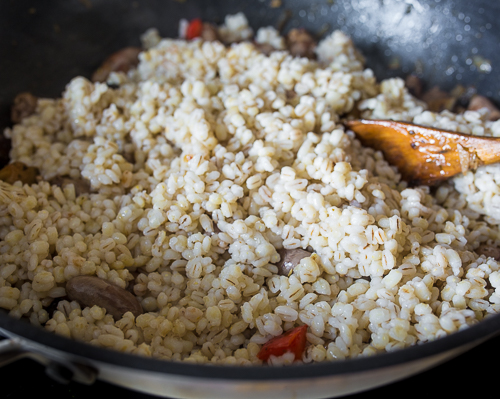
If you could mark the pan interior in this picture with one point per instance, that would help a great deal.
(444, 42)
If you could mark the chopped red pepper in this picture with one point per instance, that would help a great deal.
(194, 28)
(293, 340)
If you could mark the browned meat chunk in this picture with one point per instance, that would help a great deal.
(477, 102)
(82, 186)
(91, 290)
(489, 251)
(121, 61)
(16, 171)
(264, 48)
(289, 258)
(24, 105)
(209, 32)
(438, 100)
(414, 85)
(300, 43)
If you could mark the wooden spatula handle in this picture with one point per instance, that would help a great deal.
(426, 155)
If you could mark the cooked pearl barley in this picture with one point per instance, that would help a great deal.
(236, 156)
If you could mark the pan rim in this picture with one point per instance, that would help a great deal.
(475, 334)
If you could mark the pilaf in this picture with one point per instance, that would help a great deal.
(182, 179)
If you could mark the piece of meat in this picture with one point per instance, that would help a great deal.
(301, 43)
(82, 186)
(478, 102)
(264, 48)
(120, 61)
(16, 171)
(23, 106)
(414, 85)
(490, 251)
(438, 100)
(91, 290)
(289, 258)
(290, 94)
(209, 32)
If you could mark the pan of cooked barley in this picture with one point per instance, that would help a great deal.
(184, 214)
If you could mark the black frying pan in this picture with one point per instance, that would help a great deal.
(44, 44)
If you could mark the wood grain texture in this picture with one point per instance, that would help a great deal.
(425, 155)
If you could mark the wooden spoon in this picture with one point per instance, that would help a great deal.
(425, 155)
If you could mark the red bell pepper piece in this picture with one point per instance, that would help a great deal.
(194, 28)
(293, 340)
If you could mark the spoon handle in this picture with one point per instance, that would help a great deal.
(426, 155)
(487, 149)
